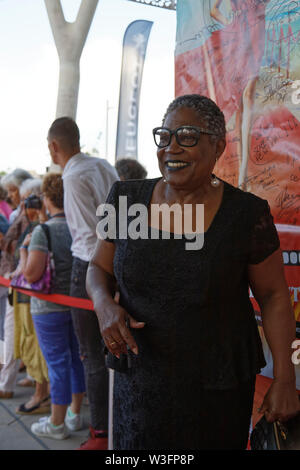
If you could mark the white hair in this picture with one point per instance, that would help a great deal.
(31, 186)
(15, 178)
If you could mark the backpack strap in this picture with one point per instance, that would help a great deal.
(47, 233)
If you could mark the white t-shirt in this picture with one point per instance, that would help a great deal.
(87, 182)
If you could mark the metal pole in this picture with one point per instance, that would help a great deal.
(110, 409)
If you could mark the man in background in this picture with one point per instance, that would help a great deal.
(130, 169)
(87, 181)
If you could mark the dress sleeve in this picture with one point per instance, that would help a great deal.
(264, 238)
(108, 226)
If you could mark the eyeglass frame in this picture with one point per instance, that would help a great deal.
(200, 131)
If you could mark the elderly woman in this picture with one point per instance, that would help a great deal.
(184, 317)
(8, 243)
(26, 345)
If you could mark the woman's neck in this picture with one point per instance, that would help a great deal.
(54, 211)
(202, 194)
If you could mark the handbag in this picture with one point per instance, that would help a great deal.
(277, 435)
(44, 284)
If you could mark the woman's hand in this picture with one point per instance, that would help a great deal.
(114, 321)
(281, 402)
(114, 330)
(16, 272)
(12, 274)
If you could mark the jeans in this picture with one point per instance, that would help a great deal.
(59, 346)
(91, 349)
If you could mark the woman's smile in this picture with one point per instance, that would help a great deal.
(176, 165)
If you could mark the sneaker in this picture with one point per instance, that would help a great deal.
(98, 440)
(73, 423)
(43, 428)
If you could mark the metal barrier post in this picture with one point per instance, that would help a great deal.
(110, 409)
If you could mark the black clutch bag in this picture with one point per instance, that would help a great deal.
(120, 365)
(276, 436)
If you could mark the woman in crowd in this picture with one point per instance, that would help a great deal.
(5, 209)
(5, 212)
(8, 243)
(26, 345)
(130, 169)
(183, 337)
(53, 322)
(3, 290)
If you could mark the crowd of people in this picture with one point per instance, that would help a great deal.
(60, 347)
(176, 325)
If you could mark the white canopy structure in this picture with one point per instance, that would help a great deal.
(168, 4)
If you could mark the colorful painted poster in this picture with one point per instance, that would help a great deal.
(245, 55)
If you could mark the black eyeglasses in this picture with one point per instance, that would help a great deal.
(186, 136)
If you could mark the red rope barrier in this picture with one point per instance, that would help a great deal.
(85, 304)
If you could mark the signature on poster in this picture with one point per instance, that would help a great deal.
(264, 178)
(277, 89)
(289, 205)
(202, 34)
(268, 136)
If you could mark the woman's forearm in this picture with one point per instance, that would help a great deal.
(279, 328)
(23, 259)
(100, 285)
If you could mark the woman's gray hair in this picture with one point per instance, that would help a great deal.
(31, 186)
(206, 109)
(15, 178)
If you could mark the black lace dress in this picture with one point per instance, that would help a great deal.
(201, 339)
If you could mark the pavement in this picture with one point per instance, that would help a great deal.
(15, 433)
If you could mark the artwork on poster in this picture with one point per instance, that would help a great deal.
(245, 55)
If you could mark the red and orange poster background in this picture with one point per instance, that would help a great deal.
(247, 59)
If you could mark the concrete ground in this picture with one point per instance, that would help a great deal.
(15, 431)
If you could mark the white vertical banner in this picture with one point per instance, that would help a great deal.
(134, 50)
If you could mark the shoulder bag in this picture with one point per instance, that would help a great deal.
(44, 284)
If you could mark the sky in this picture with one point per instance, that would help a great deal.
(29, 71)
